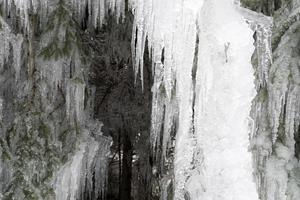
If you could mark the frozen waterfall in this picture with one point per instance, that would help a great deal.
(224, 91)
(207, 48)
(225, 98)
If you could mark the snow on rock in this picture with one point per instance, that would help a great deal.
(275, 109)
(77, 175)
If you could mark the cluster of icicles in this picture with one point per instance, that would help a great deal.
(201, 53)
(97, 9)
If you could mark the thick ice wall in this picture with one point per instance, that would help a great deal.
(225, 88)
(276, 107)
(189, 92)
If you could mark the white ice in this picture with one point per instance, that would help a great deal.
(225, 86)
(212, 160)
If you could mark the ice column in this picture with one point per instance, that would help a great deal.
(225, 89)
(211, 90)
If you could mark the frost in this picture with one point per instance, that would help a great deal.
(97, 9)
(75, 99)
(8, 41)
(275, 110)
(9, 38)
(89, 163)
(17, 48)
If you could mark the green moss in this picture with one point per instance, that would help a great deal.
(5, 152)
(48, 193)
(173, 92)
(63, 135)
(263, 95)
(78, 80)
(29, 195)
(44, 130)
(8, 196)
(162, 89)
(12, 131)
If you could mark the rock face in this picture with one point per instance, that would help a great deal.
(50, 146)
(275, 109)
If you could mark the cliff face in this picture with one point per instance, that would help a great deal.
(64, 66)
(51, 148)
(275, 110)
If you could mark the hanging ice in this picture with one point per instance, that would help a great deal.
(97, 9)
(203, 88)
(225, 89)
(87, 167)
(213, 84)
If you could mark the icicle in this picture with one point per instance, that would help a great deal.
(77, 175)
(1, 114)
(23, 9)
(171, 29)
(275, 108)
(5, 35)
(284, 93)
(75, 99)
(17, 50)
(16, 42)
(100, 166)
(97, 9)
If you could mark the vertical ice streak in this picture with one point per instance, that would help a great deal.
(225, 86)
(211, 98)
(96, 9)
(88, 164)
(211, 152)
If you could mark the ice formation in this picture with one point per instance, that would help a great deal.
(200, 51)
(202, 97)
(224, 91)
(88, 163)
(50, 146)
(276, 108)
(97, 9)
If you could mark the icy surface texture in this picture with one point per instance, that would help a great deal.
(48, 138)
(224, 90)
(275, 110)
(75, 178)
(203, 88)
(96, 9)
